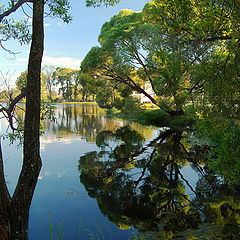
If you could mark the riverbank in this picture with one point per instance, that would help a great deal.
(154, 116)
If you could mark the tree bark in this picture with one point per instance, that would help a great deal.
(5, 201)
(18, 211)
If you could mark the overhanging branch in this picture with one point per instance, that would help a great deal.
(13, 8)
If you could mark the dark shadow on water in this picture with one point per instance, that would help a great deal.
(140, 184)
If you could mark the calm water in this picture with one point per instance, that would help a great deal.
(105, 178)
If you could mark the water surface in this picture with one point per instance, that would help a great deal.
(107, 178)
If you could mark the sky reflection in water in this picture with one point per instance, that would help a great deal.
(59, 192)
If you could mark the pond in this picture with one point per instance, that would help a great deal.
(107, 178)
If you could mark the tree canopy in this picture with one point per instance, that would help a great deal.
(187, 50)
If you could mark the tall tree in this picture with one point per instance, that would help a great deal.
(185, 49)
(14, 210)
(64, 77)
(213, 26)
(19, 203)
(48, 71)
(134, 53)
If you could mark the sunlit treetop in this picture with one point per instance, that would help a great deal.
(119, 26)
(207, 20)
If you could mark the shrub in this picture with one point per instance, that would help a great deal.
(132, 107)
(224, 156)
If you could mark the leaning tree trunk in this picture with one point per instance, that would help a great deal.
(22, 197)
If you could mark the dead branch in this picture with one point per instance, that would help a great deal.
(8, 112)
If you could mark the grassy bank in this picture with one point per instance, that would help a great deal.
(162, 119)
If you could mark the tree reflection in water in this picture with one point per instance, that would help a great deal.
(141, 185)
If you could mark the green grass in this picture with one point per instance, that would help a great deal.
(162, 119)
(92, 234)
(95, 234)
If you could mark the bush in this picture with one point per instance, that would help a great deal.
(224, 156)
(132, 107)
(155, 117)
(112, 111)
(162, 119)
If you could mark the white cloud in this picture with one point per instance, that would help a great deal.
(57, 61)
(61, 24)
(62, 61)
(23, 60)
(47, 24)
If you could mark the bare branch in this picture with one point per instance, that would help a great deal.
(8, 112)
(13, 9)
(7, 50)
(29, 17)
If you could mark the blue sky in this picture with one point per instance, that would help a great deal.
(65, 44)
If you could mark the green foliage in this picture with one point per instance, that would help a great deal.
(160, 118)
(21, 81)
(64, 77)
(19, 29)
(224, 155)
(115, 61)
(93, 59)
(60, 9)
(86, 85)
(187, 50)
(154, 117)
(113, 111)
(104, 98)
(15, 29)
(16, 136)
(225, 158)
(131, 107)
(46, 82)
(200, 19)
(213, 128)
(48, 72)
